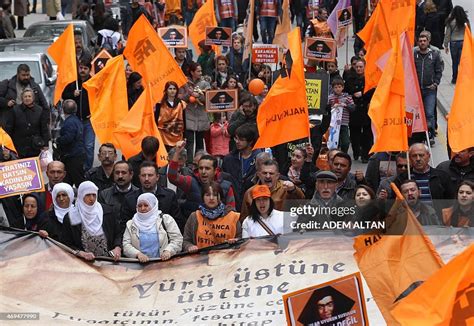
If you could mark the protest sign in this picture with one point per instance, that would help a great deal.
(219, 36)
(174, 36)
(319, 48)
(99, 62)
(317, 91)
(222, 100)
(265, 53)
(344, 17)
(20, 176)
(338, 302)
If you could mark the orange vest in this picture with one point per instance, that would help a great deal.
(171, 123)
(268, 9)
(213, 232)
(463, 221)
(226, 9)
(321, 28)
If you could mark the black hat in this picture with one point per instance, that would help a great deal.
(326, 175)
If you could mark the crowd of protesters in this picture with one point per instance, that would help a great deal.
(216, 187)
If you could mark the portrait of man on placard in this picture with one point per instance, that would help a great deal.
(320, 49)
(218, 36)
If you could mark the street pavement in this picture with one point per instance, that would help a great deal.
(445, 89)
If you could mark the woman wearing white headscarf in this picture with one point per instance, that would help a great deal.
(90, 228)
(63, 197)
(151, 234)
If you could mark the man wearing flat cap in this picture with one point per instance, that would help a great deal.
(324, 198)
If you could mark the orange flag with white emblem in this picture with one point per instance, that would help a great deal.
(446, 298)
(461, 117)
(107, 92)
(139, 123)
(204, 17)
(6, 140)
(63, 52)
(283, 114)
(148, 55)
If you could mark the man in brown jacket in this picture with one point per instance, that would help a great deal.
(268, 174)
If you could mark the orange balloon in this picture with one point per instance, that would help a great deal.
(192, 99)
(256, 86)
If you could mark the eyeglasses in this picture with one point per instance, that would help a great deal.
(402, 166)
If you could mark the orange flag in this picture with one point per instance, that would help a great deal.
(283, 115)
(248, 30)
(148, 55)
(6, 140)
(204, 17)
(107, 92)
(446, 298)
(392, 263)
(63, 51)
(139, 123)
(282, 29)
(387, 107)
(388, 21)
(461, 117)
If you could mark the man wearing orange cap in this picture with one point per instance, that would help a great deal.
(263, 219)
(281, 191)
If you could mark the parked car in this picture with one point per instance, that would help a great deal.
(54, 28)
(40, 66)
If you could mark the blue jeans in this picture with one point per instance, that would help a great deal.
(456, 49)
(429, 102)
(89, 143)
(267, 29)
(228, 22)
(188, 17)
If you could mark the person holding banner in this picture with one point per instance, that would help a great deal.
(263, 220)
(151, 234)
(91, 228)
(63, 198)
(32, 218)
(212, 223)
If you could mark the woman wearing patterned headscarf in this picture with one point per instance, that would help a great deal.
(151, 234)
(90, 228)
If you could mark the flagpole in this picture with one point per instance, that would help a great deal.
(408, 165)
(429, 146)
(347, 45)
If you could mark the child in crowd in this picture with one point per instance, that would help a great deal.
(341, 105)
(219, 142)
